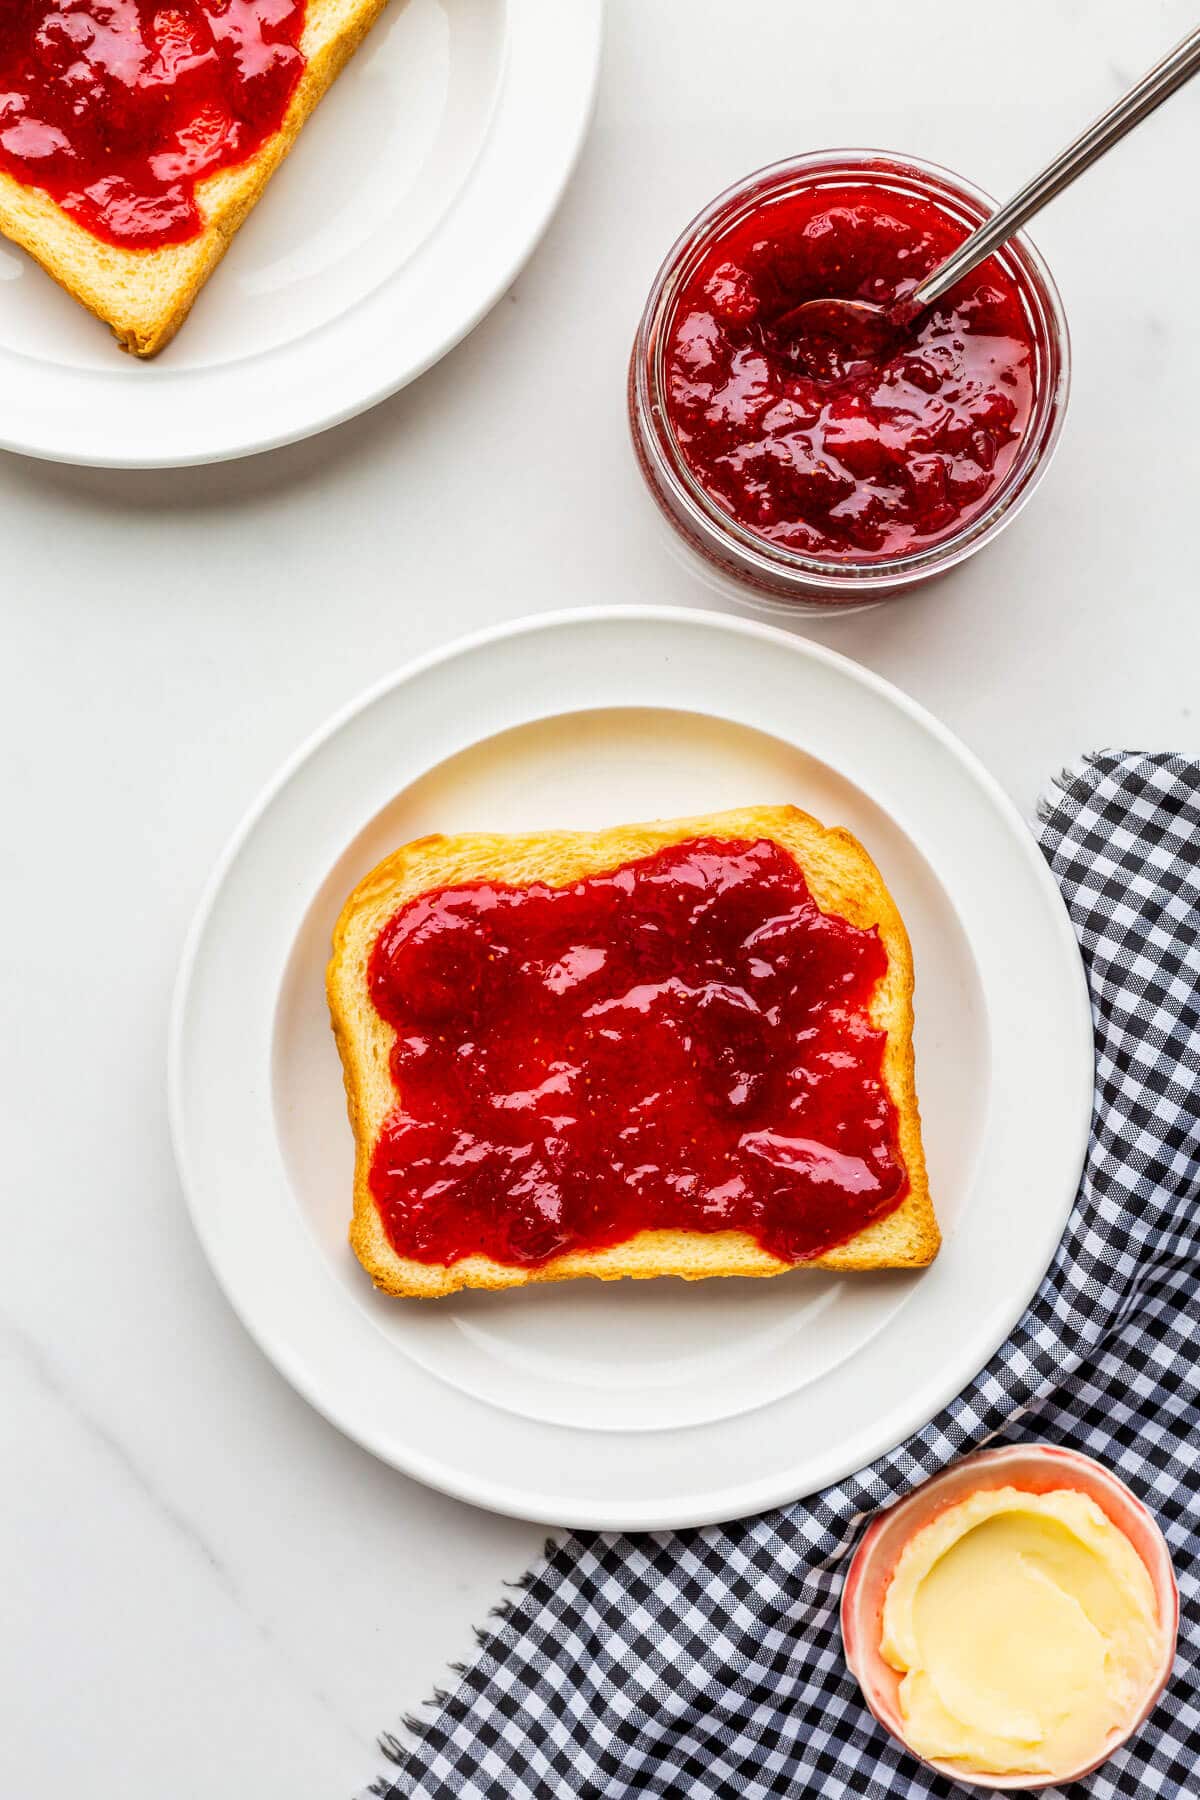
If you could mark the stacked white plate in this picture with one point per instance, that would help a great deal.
(636, 1404)
(413, 196)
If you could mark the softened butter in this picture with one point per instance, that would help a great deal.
(1026, 1631)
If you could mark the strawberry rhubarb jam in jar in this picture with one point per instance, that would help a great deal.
(802, 471)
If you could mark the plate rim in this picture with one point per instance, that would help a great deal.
(746, 1497)
(41, 436)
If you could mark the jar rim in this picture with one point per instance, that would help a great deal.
(756, 558)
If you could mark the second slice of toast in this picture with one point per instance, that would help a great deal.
(145, 295)
(841, 878)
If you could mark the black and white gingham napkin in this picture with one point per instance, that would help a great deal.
(707, 1665)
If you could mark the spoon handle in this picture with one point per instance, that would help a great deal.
(1155, 86)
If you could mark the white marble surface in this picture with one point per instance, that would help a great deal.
(206, 1591)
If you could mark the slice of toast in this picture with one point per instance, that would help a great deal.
(842, 879)
(145, 295)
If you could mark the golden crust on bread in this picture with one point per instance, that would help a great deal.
(842, 879)
(145, 295)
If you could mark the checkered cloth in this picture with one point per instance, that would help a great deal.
(708, 1663)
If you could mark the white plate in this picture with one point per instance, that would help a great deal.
(639, 1404)
(413, 196)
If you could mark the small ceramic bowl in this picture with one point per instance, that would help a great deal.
(1038, 1469)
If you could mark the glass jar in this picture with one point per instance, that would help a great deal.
(740, 562)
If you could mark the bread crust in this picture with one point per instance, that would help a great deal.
(145, 295)
(842, 879)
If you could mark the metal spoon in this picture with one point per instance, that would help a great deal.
(863, 326)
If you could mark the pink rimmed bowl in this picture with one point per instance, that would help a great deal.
(1036, 1469)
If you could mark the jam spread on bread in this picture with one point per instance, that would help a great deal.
(835, 450)
(117, 108)
(682, 1043)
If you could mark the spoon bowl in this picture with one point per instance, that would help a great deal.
(857, 328)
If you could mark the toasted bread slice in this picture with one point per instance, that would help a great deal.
(842, 879)
(145, 295)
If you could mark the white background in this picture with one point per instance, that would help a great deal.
(205, 1591)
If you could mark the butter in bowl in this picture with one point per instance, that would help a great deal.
(1013, 1622)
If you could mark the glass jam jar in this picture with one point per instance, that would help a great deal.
(803, 481)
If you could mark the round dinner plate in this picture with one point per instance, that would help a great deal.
(413, 196)
(632, 1404)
